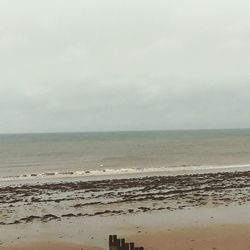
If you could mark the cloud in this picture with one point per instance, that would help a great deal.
(117, 65)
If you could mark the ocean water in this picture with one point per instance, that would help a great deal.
(34, 156)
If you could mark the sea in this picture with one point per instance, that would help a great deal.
(85, 155)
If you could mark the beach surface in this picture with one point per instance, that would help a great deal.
(223, 237)
(48, 246)
(199, 211)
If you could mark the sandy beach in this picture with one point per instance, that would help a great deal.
(199, 211)
(46, 202)
(223, 237)
(48, 246)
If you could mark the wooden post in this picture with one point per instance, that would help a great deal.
(132, 246)
(112, 242)
(122, 244)
(118, 244)
(126, 246)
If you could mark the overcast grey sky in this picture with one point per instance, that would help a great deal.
(87, 65)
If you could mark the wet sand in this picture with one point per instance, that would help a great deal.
(221, 237)
(48, 246)
(58, 201)
(201, 211)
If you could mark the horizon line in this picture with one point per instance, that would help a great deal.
(122, 131)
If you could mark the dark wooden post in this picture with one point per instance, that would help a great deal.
(132, 246)
(118, 244)
(113, 242)
(110, 240)
(126, 246)
(122, 244)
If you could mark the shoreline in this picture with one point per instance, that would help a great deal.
(104, 174)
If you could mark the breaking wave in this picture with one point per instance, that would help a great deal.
(122, 171)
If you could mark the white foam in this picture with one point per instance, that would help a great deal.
(123, 171)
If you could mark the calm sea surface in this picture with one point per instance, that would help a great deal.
(36, 155)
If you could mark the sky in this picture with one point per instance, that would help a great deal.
(95, 65)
